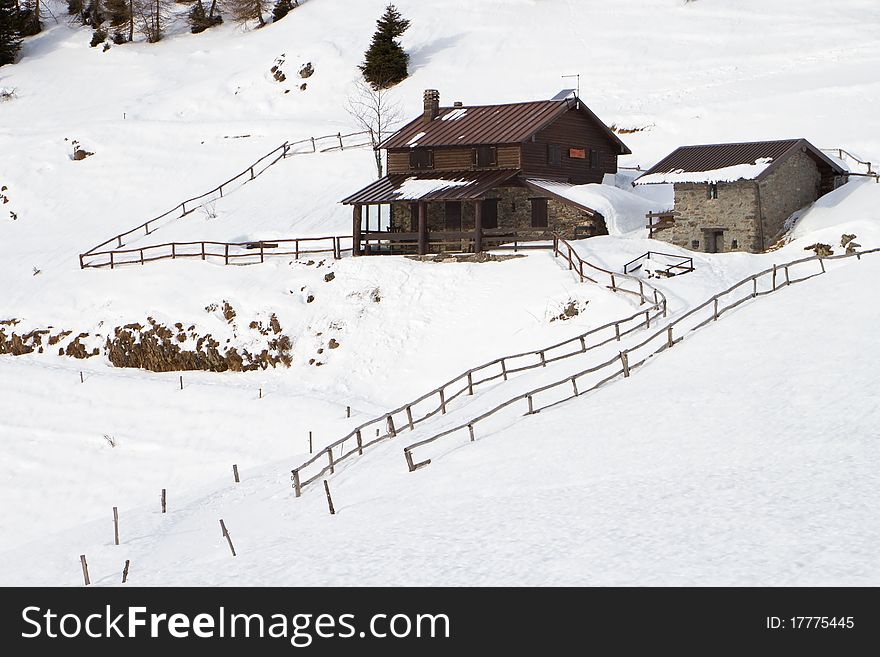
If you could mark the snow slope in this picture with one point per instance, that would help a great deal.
(682, 474)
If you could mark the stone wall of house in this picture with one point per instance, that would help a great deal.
(514, 213)
(735, 212)
(794, 184)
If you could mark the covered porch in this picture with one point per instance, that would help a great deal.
(434, 213)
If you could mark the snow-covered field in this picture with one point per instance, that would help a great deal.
(745, 456)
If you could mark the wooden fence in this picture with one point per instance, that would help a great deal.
(241, 253)
(437, 401)
(461, 241)
(100, 255)
(626, 361)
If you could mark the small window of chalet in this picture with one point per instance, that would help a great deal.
(539, 213)
(421, 158)
(554, 155)
(485, 156)
(594, 158)
(713, 190)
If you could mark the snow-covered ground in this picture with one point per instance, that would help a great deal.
(744, 456)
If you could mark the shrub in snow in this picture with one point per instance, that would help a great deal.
(200, 21)
(821, 250)
(98, 37)
(385, 62)
(307, 70)
(282, 7)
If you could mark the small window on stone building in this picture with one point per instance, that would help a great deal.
(485, 156)
(695, 244)
(554, 155)
(713, 190)
(734, 244)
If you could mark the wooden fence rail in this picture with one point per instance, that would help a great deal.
(656, 343)
(287, 149)
(437, 401)
(228, 252)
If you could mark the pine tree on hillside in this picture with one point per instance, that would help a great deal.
(29, 17)
(10, 37)
(282, 8)
(200, 21)
(247, 10)
(385, 62)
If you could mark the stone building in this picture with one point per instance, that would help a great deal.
(466, 178)
(737, 197)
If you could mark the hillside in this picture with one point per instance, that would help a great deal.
(740, 458)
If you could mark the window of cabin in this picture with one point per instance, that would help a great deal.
(713, 190)
(485, 156)
(594, 158)
(490, 213)
(554, 155)
(421, 158)
(539, 212)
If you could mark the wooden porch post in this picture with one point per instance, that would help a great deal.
(356, 230)
(423, 228)
(478, 227)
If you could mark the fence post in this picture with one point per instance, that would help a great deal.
(330, 457)
(641, 293)
(583, 344)
(409, 461)
(173, 250)
(142, 256)
(531, 405)
(575, 386)
(543, 359)
(504, 369)
(235, 473)
(111, 260)
(774, 278)
(314, 150)
(85, 569)
(252, 173)
(669, 340)
(471, 431)
(715, 309)
(787, 280)
(119, 241)
(329, 499)
(822, 263)
(284, 154)
(624, 359)
(227, 536)
(647, 319)
(754, 287)
(613, 283)
(409, 418)
(391, 430)
(442, 402)
(296, 486)
(360, 442)
(164, 505)
(339, 136)
(617, 331)
(115, 525)
(125, 571)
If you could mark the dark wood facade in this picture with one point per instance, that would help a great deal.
(457, 172)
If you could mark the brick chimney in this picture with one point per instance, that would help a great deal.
(432, 104)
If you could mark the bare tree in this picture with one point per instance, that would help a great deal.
(374, 110)
(151, 17)
(246, 10)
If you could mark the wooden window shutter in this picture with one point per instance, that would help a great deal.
(539, 213)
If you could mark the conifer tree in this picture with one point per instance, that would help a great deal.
(386, 61)
(10, 36)
(282, 8)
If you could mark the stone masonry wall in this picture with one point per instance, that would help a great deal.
(789, 188)
(735, 211)
(514, 212)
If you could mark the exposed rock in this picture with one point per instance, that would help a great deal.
(307, 70)
(329, 277)
(333, 344)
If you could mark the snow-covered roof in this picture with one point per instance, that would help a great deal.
(712, 163)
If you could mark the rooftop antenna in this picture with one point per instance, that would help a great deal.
(578, 92)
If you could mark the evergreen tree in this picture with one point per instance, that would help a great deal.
(385, 62)
(29, 17)
(118, 12)
(282, 7)
(200, 21)
(10, 36)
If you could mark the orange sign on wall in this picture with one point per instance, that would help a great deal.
(579, 153)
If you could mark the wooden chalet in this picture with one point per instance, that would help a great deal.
(466, 178)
